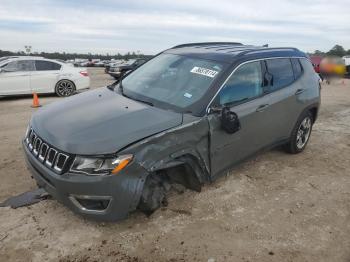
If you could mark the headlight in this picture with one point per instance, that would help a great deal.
(100, 166)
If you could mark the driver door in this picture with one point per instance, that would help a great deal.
(15, 78)
(243, 94)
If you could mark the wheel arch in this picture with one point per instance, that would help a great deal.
(314, 111)
(187, 169)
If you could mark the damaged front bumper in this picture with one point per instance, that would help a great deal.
(104, 198)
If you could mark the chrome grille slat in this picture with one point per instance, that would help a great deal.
(44, 148)
(59, 165)
(36, 146)
(49, 156)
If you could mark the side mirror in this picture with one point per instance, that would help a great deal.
(229, 120)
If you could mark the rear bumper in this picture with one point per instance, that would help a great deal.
(104, 198)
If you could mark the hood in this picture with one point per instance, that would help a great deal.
(99, 122)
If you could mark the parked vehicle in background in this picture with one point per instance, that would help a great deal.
(316, 61)
(25, 75)
(184, 117)
(78, 62)
(65, 62)
(332, 66)
(102, 63)
(129, 65)
(347, 63)
(113, 63)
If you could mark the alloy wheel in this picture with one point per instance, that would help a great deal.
(65, 88)
(303, 134)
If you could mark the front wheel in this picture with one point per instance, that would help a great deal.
(65, 88)
(301, 134)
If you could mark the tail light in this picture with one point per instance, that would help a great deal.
(84, 73)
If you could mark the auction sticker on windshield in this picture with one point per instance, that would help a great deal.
(204, 71)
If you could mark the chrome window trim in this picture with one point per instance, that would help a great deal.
(207, 110)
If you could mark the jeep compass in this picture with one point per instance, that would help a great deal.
(184, 117)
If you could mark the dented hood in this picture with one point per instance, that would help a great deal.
(99, 122)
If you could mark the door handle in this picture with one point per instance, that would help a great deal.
(299, 91)
(262, 108)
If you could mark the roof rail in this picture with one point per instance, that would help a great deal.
(269, 49)
(206, 44)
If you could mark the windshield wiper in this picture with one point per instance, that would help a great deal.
(142, 101)
(111, 86)
(133, 98)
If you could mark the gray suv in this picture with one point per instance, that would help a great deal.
(184, 117)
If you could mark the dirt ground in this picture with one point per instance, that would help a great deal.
(275, 207)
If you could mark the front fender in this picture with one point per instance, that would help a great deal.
(172, 147)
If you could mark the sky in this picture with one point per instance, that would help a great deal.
(150, 26)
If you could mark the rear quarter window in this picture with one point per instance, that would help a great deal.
(46, 65)
(307, 66)
(281, 71)
(297, 69)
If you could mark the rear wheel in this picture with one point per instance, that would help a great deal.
(65, 88)
(301, 134)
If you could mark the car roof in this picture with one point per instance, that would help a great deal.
(231, 51)
(15, 58)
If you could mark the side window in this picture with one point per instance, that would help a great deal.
(46, 65)
(18, 66)
(307, 66)
(10, 67)
(244, 84)
(281, 71)
(298, 70)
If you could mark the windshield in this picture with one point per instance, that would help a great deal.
(172, 79)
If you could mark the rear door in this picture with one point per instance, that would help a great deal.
(15, 77)
(243, 92)
(284, 87)
(45, 76)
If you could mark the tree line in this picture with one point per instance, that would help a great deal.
(69, 56)
(336, 50)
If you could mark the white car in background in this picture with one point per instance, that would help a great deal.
(29, 74)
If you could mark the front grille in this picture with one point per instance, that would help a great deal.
(48, 155)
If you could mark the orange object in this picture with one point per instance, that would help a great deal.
(35, 101)
(123, 163)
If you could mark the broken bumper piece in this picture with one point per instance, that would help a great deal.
(104, 198)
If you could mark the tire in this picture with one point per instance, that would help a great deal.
(301, 134)
(154, 194)
(65, 88)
